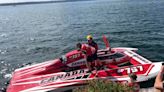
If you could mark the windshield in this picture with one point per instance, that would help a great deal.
(116, 55)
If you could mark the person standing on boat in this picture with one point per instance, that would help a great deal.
(159, 83)
(89, 52)
(92, 43)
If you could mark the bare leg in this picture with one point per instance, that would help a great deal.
(88, 64)
(95, 63)
(100, 65)
(98, 62)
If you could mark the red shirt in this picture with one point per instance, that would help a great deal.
(88, 49)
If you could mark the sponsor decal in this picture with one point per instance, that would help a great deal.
(65, 76)
(75, 56)
(138, 57)
(78, 63)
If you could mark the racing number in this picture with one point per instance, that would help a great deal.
(74, 56)
(131, 69)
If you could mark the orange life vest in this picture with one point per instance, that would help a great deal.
(88, 49)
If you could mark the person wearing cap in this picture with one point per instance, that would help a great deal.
(89, 52)
(92, 43)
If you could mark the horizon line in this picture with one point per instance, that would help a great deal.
(38, 2)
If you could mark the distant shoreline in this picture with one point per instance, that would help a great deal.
(38, 2)
(22, 3)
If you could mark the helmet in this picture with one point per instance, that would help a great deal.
(89, 37)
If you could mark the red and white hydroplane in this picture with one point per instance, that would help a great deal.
(69, 71)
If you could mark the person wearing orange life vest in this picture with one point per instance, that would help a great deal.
(90, 53)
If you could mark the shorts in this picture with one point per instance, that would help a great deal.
(92, 57)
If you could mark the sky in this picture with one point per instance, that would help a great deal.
(12, 1)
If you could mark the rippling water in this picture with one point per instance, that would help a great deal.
(36, 33)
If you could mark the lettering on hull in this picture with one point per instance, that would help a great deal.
(77, 63)
(64, 76)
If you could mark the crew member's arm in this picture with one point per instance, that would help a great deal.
(96, 47)
(84, 52)
(158, 81)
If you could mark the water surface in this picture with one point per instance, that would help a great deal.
(36, 33)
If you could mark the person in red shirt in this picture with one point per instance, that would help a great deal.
(90, 54)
